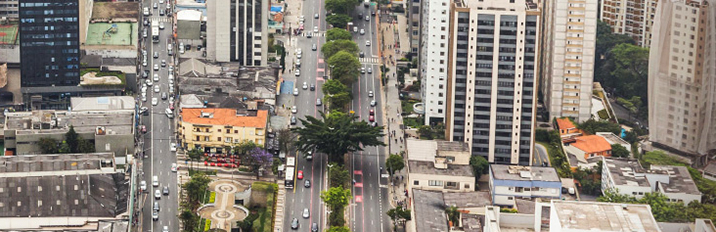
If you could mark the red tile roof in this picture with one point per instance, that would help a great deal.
(565, 124)
(592, 144)
(226, 117)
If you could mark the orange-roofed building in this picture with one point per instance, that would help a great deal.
(589, 146)
(213, 129)
(567, 130)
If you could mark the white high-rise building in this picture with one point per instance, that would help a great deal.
(569, 37)
(682, 77)
(434, 41)
(494, 51)
(630, 17)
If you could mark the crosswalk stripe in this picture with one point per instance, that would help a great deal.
(369, 60)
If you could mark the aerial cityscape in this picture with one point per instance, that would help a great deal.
(358, 115)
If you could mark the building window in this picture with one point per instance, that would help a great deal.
(416, 182)
(435, 183)
(218, 139)
(219, 130)
(518, 189)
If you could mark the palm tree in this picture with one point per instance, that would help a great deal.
(453, 214)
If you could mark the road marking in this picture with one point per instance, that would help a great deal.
(358, 172)
(359, 185)
(359, 198)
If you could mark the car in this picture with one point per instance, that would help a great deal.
(164, 96)
(165, 191)
(155, 101)
(157, 194)
(298, 63)
(306, 213)
(146, 22)
(315, 29)
(372, 13)
(314, 227)
(302, 19)
(161, 12)
(155, 6)
(144, 89)
(298, 55)
(295, 91)
(144, 129)
(293, 120)
(361, 54)
(161, 25)
(174, 167)
(171, 69)
(155, 181)
(294, 109)
(305, 85)
(315, 16)
(371, 118)
(143, 110)
(149, 82)
(164, 63)
(313, 87)
(307, 183)
(299, 51)
(294, 223)
(165, 229)
(156, 89)
(143, 185)
(367, 43)
(145, 74)
(308, 35)
(155, 216)
(355, 29)
(362, 70)
(371, 112)
(367, 18)
(315, 47)
(156, 67)
(370, 70)
(362, 31)
(161, 1)
(318, 102)
(300, 175)
(173, 147)
(298, 72)
(144, 33)
(373, 103)
(156, 55)
(571, 191)
(144, 98)
(156, 77)
(144, 63)
(375, 124)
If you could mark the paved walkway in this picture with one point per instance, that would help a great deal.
(223, 213)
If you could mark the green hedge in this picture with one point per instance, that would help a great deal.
(264, 222)
(603, 114)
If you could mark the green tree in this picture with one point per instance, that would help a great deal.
(195, 154)
(65, 148)
(339, 229)
(286, 138)
(336, 135)
(339, 176)
(337, 218)
(331, 48)
(332, 86)
(243, 148)
(339, 100)
(619, 151)
(479, 165)
(258, 158)
(630, 69)
(84, 146)
(341, 6)
(336, 197)
(394, 163)
(425, 132)
(71, 138)
(338, 20)
(189, 220)
(592, 126)
(606, 39)
(196, 187)
(453, 214)
(345, 66)
(338, 34)
(48, 146)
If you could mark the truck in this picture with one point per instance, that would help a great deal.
(155, 32)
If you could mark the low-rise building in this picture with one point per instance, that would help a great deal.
(630, 178)
(62, 192)
(428, 212)
(709, 171)
(508, 182)
(588, 146)
(213, 129)
(440, 166)
(567, 130)
(107, 122)
(574, 216)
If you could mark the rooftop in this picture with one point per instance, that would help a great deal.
(467, 199)
(586, 216)
(565, 124)
(189, 15)
(429, 211)
(472, 222)
(9, 33)
(592, 144)
(102, 103)
(622, 172)
(47, 164)
(680, 180)
(48, 121)
(710, 168)
(452, 146)
(221, 116)
(421, 150)
(196, 68)
(614, 139)
(118, 33)
(512, 172)
(190, 101)
(115, 11)
(428, 167)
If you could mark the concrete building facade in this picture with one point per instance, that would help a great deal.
(434, 40)
(682, 77)
(569, 31)
(439, 166)
(414, 17)
(213, 129)
(630, 178)
(237, 31)
(508, 182)
(491, 78)
(630, 17)
(9, 9)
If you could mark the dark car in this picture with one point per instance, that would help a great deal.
(361, 54)
(313, 87)
(164, 95)
(165, 191)
(145, 74)
(293, 120)
(307, 183)
(314, 227)
(294, 223)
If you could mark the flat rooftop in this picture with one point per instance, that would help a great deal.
(54, 164)
(102, 103)
(514, 172)
(421, 150)
(428, 167)
(9, 33)
(600, 216)
(40, 122)
(467, 199)
(680, 180)
(124, 34)
(429, 211)
(624, 172)
(115, 10)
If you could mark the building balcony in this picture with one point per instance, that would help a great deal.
(202, 132)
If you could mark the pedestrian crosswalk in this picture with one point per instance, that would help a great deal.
(160, 19)
(319, 34)
(369, 60)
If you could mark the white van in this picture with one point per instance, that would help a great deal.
(155, 181)
(146, 11)
(169, 113)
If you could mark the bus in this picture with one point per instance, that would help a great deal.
(155, 33)
(290, 161)
(289, 177)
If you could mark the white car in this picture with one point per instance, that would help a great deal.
(295, 91)
(156, 89)
(149, 83)
(298, 72)
(157, 194)
(165, 229)
(155, 215)
(306, 213)
(143, 185)
(174, 167)
(173, 147)
(156, 77)
(373, 103)
(294, 109)
(370, 93)
(161, 25)
(315, 29)
(144, 98)
(305, 86)
(156, 67)
(155, 101)
(161, 1)
(370, 70)
(362, 32)
(367, 43)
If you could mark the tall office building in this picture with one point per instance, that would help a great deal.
(414, 17)
(682, 77)
(631, 17)
(434, 40)
(50, 43)
(491, 82)
(9, 9)
(568, 37)
(237, 31)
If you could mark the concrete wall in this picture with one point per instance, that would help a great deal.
(465, 183)
(217, 30)
(119, 144)
(128, 52)
(10, 54)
